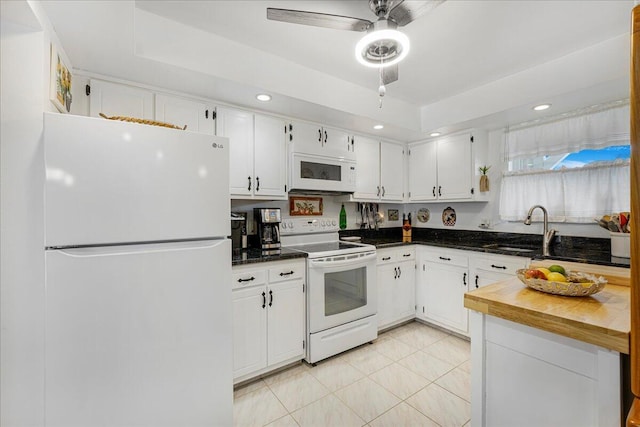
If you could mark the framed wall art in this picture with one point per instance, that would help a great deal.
(300, 205)
(60, 82)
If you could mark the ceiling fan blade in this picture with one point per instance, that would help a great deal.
(408, 10)
(325, 20)
(390, 74)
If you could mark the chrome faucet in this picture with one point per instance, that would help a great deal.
(547, 235)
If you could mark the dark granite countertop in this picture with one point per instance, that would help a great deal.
(251, 256)
(566, 248)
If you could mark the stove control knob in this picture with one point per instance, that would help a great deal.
(284, 225)
(333, 222)
(290, 224)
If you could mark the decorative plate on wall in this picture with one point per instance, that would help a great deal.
(423, 215)
(449, 217)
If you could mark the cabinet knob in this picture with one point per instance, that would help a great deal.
(288, 273)
(246, 280)
(444, 258)
(477, 282)
(500, 267)
(270, 298)
(249, 187)
(387, 258)
(257, 183)
(439, 190)
(464, 279)
(264, 300)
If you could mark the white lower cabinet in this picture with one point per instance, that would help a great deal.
(486, 269)
(444, 275)
(268, 317)
(396, 285)
(443, 279)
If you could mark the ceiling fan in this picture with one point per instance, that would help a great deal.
(383, 46)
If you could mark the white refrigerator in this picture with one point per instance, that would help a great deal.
(138, 275)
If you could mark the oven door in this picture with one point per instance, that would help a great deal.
(341, 289)
(322, 173)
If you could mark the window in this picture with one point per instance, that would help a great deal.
(573, 160)
(578, 168)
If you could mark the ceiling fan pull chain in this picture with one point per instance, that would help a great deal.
(381, 89)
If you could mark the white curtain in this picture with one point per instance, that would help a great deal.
(569, 195)
(567, 135)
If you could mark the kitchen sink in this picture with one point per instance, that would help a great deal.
(507, 248)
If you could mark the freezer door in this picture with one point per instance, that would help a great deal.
(114, 182)
(139, 336)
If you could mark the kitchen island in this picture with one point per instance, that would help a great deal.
(541, 359)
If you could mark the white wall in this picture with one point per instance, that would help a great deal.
(24, 84)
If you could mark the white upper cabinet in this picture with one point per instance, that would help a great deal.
(367, 169)
(380, 168)
(391, 172)
(238, 127)
(270, 157)
(319, 140)
(113, 99)
(197, 116)
(447, 168)
(257, 154)
(423, 172)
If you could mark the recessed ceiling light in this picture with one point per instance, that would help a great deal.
(378, 127)
(541, 107)
(263, 97)
(434, 134)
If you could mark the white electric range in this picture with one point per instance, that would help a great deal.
(341, 286)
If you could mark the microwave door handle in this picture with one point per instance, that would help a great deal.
(329, 264)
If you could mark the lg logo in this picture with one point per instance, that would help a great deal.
(216, 145)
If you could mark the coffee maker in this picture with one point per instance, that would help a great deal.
(268, 227)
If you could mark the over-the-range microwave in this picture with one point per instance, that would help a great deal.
(313, 173)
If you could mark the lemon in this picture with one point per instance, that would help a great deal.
(545, 271)
(554, 276)
(557, 269)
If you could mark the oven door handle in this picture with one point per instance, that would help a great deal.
(318, 263)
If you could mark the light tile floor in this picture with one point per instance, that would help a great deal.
(413, 375)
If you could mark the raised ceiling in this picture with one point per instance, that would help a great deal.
(471, 63)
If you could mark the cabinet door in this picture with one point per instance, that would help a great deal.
(270, 157)
(113, 99)
(337, 141)
(444, 288)
(238, 127)
(307, 137)
(249, 330)
(391, 171)
(423, 177)
(386, 281)
(286, 321)
(197, 116)
(454, 167)
(405, 294)
(367, 153)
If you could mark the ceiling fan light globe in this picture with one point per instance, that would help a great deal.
(391, 42)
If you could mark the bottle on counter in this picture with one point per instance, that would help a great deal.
(343, 218)
(406, 228)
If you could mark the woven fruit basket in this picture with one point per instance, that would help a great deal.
(577, 285)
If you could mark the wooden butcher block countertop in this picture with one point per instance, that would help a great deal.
(601, 319)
